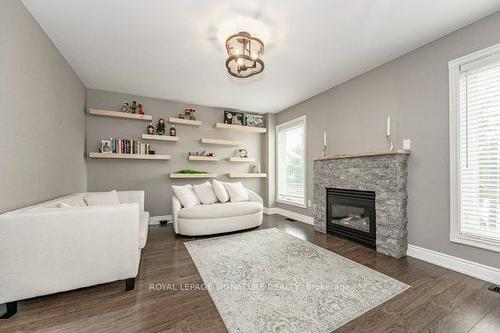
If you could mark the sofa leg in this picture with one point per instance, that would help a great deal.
(129, 284)
(11, 310)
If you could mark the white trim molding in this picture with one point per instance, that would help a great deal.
(292, 215)
(157, 219)
(480, 271)
(277, 160)
(455, 67)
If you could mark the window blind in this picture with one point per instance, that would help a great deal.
(291, 162)
(479, 132)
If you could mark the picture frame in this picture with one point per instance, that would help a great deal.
(106, 146)
(234, 118)
(254, 120)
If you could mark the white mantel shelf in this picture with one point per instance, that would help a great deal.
(376, 153)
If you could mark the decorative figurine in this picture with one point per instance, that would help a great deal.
(141, 109)
(173, 131)
(126, 107)
(190, 114)
(151, 129)
(133, 106)
(160, 128)
(243, 153)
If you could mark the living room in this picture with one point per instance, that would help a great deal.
(216, 166)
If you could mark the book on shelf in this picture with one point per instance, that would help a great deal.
(124, 146)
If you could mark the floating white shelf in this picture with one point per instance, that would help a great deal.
(220, 142)
(180, 121)
(130, 156)
(203, 158)
(241, 159)
(160, 137)
(246, 175)
(119, 114)
(192, 175)
(240, 128)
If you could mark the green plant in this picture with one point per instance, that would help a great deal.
(190, 171)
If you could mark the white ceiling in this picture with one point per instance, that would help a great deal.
(173, 49)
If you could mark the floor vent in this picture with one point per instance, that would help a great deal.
(291, 220)
(495, 289)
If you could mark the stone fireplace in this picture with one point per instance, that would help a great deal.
(380, 176)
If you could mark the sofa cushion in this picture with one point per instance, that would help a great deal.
(205, 193)
(237, 192)
(143, 229)
(220, 210)
(102, 199)
(186, 195)
(220, 190)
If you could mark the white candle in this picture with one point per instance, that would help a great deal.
(324, 138)
(388, 125)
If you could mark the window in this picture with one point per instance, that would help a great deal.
(291, 162)
(475, 149)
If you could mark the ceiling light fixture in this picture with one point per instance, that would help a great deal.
(244, 52)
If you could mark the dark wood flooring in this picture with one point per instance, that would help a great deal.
(440, 300)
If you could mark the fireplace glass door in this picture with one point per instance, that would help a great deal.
(351, 214)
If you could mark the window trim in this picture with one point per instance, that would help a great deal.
(278, 128)
(454, 132)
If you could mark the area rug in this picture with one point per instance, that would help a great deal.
(270, 281)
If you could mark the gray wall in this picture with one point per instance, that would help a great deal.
(153, 176)
(42, 131)
(413, 90)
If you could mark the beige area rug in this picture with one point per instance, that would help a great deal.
(270, 281)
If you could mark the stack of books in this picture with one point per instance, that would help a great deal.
(124, 146)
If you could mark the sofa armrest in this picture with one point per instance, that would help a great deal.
(176, 207)
(57, 249)
(254, 197)
(132, 197)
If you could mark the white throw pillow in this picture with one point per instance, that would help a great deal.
(237, 192)
(186, 195)
(102, 199)
(205, 193)
(220, 191)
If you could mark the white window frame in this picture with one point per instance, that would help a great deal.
(455, 176)
(278, 178)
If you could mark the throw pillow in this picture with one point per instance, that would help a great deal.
(220, 190)
(186, 195)
(102, 199)
(205, 193)
(237, 192)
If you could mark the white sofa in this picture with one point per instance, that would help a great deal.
(217, 218)
(45, 249)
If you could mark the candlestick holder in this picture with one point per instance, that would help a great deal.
(324, 150)
(389, 141)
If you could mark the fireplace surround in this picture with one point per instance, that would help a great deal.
(383, 173)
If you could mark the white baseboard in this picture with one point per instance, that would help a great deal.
(480, 271)
(156, 219)
(289, 214)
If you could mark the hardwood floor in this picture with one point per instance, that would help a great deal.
(440, 300)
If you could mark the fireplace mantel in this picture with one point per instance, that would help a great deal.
(375, 153)
(384, 173)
